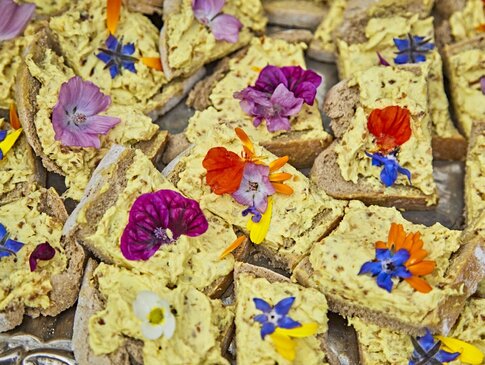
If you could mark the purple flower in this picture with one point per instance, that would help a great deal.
(75, 116)
(255, 187)
(224, 27)
(391, 167)
(274, 317)
(427, 351)
(44, 252)
(279, 93)
(8, 246)
(14, 18)
(482, 84)
(158, 219)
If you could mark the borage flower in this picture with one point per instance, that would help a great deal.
(428, 351)
(155, 315)
(278, 94)
(390, 167)
(75, 116)
(118, 56)
(44, 252)
(412, 49)
(157, 219)
(224, 27)
(14, 18)
(8, 247)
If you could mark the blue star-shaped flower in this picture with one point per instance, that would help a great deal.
(412, 50)
(8, 247)
(427, 351)
(118, 56)
(387, 266)
(276, 316)
(391, 167)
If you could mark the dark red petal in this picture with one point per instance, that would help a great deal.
(43, 251)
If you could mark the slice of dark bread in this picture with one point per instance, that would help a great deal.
(295, 13)
(144, 6)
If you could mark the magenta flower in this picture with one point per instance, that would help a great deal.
(42, 251)
(254, 190)
(224, 27)
(75, 116)
(278, 94)
(14, 18)
(158, 219)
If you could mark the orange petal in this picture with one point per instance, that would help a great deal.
(381, 245)
(278, 164)
(408, 242)
(481, 27)
(14, 117)
(238, 242)
(248, 145)
(278, 177)
(422, 268)
(419, 284)
(391, 238)
(417, 242)
(282, 188)
(400, 237)
(113, 11)
(152, 62)
(417, 256)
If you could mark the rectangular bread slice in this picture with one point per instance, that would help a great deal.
(296, 13)
(107, 332)
(357, 51)
(310, 306)
(298, 221)
(333, 267)
(306, 138)
(99, 221)
(379, 345)
(464, 65)
(54, 285)
(345, 172)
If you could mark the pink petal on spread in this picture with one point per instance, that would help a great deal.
(226, 27)
(206, 10)
(44, 252)
(255, 187)
(14, 18)
(75, 116)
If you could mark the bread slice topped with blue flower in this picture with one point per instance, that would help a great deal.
(464, 344)
(393, 273)
(266, 90)
(40, 270)
(271, 202)
(196, 32)
(133, 217)
(70, 123)
(278, 321)
(125, 317)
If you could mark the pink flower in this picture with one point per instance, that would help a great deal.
(224, 27)
(278, 94)
(75, 116)
(14, 18)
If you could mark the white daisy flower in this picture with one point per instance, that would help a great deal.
(155, 315)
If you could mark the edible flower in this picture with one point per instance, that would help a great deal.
(14, 117)
(44, 252)
(279, 93)
(382, 60)
(224, 27)
(8, 246)
(412, 49)
(157, 219)
(75, 116)
(14, 18)
(7, 140)
(155, 315)
(428, 351)
(118, 56)
(469, 354)
(391, 167)
(113, 11)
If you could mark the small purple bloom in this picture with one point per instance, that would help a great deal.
(391, 167)
(75, 116)
(43, 251)
(279, 93)
(158, 219)
(386, 266)
(255, 187)
(224, 27)
(412, 49)
(382, 60)
(427, 351)
(256, 218)
(274, 317)
(118, 56)
(482, 84)
(14, 18)
(8, 246)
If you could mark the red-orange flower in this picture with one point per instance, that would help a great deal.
(391, 126)
(412, 242)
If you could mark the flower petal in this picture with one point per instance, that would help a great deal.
(289, 104)
(144, 303)
(278, 163)
(226, 27)
(284, 345)
(224, 170)
(270, 78)
(262, 305)
(422, 268)
(44, 252)
(9, 141)
(267, 329)
(10, 247)
(152, 62)
(238, 242)
(445, 357)
(288, 323)
(255, 187)
(14, 18)
(400, 257)
(303, 83)
(469, 354)
(169, 324)
(14, 117)
(283, 189)
(482, 84)
(261, 318)
(304, 330)
(259, 230)
(419, 284)
(151, 332)
(373, 267)
(384, 281)
(382, 255)
(206, 10)
(284, 306)
(113, 11)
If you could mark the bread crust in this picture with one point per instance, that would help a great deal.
(144, 6)
(291, 13)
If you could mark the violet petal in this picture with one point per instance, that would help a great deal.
(226, 27)
(206, 10)
(14, 18)
(255, 187)
(303, 83)
(278, 123)
(43, 251)
(270, 78)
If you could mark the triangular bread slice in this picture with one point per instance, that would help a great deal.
(296, 13)
(202, 331)
(54, 286)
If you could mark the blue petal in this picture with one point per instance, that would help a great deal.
(418, 39)
(426, 341)
(401, 44)
(130, 66)
(445, 356)
(267, 329)
(402, 272)
(261, 318)
(12, 245)
(389, 173)
(411, 362)
(128, 49)
(400, 257)
(111, 42)
(284, 305)
(104, 57)
(1, 154)
(3, 134)
(401, 59)
(287, 322)
(384, 281)
(376, 158)
(405, 172)
(371, 267)
(114, 71)
(419, 57)
(3, 231)
(262, 305)
(383, 254)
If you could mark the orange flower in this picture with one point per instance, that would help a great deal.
(14, 117)
(113, 10)
(416, 264)
(391, 126)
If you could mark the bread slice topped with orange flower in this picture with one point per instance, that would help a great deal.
(40, 270)
(382, 153)
(70, 123)
(393, 273)
(266, 90)
(125, 317)
(464, 344)
(278, 321)
(271, 202)
(133, 217)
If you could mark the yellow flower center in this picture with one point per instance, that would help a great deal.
(156, 316)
